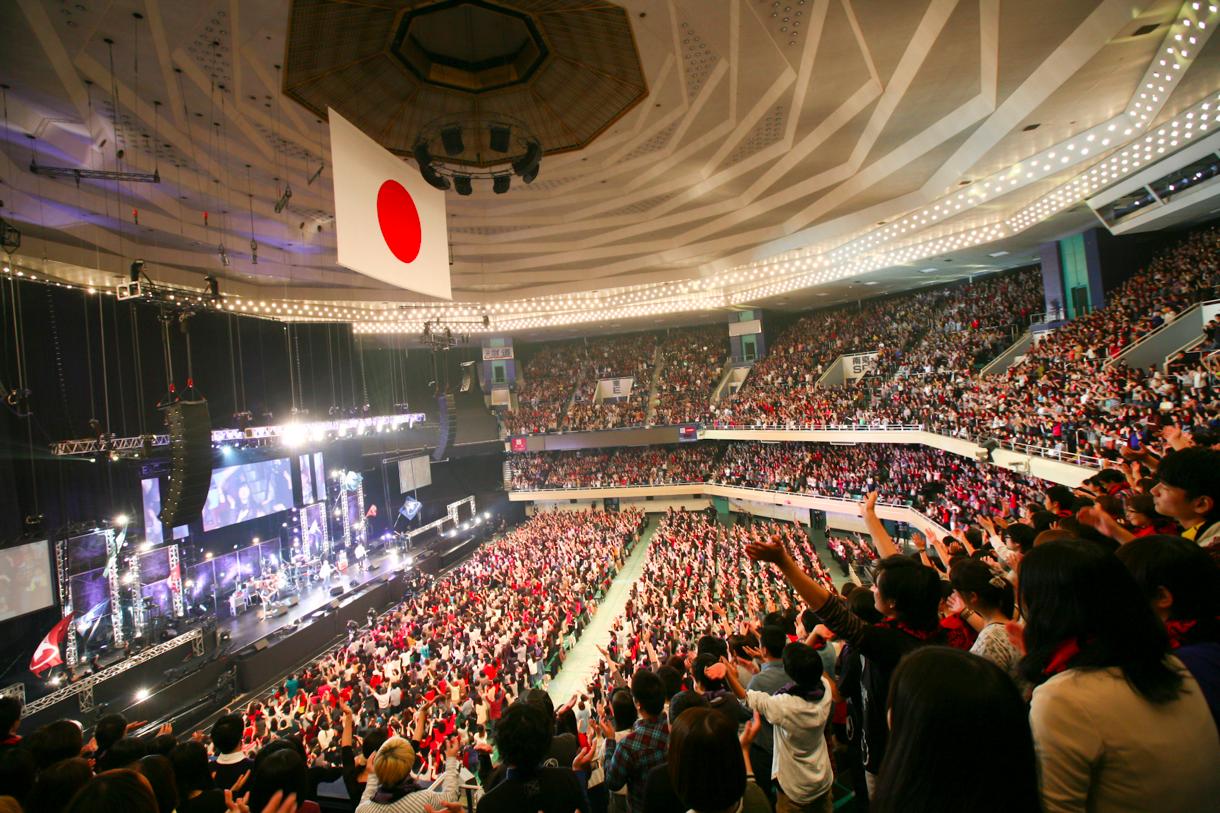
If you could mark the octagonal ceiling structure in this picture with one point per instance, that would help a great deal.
(566, 70)
(788, 150)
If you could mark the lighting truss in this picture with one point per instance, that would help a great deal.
(290, 432)
(451, 515)
(115, 585)
(62, 572)
(175, 581)
(95, 174)
(84, 686)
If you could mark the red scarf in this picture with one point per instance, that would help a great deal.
(1178, 630)
(922, 635)
(1065, 652)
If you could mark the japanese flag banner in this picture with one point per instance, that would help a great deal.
(391, 224)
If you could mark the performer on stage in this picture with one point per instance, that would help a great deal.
(324, 572)
(362, 556)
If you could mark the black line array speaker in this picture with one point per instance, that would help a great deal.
(447, 430)
(190, 452)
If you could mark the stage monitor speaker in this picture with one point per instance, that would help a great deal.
(190, 452)
(293, 600)
(447, 431)
(338, 590)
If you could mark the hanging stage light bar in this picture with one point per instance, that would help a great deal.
(284, 198)
(94, 174)
(290, 434)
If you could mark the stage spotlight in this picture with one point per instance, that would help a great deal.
(120, 520)
(128, 578)
(499, 137)
(430, 175)
(461, 184)
(142, 695)
(527, 165)
(146, 546)
(451, 140)
(137, 268)
(501, 183)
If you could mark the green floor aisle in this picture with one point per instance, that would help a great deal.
(582, 660)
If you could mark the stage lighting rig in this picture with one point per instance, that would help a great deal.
(309, 181)
(10, 237)
(285, 196)
(94, 174)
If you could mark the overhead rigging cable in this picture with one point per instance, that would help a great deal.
(118, 364)
(118, 186)
(330, 367)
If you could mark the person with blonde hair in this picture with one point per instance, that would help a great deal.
(392, 789)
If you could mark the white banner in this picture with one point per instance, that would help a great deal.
(745, 328)
(497, 353)
(609, 388)
(390, 223)
(856, 366)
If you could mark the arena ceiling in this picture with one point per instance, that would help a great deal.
(787, 153)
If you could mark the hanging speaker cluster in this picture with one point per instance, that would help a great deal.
(455, 151)
(447, 429)
(190, 445)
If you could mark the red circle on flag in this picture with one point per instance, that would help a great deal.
(399, 221)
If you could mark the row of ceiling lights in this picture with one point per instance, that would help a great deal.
(809, 267)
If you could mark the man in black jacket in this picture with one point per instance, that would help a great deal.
(523, 737)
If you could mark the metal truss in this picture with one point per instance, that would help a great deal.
(290, 433)
(84, 687)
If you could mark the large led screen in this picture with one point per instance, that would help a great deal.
(249, 491)
(25, 579)
(313, 530)
(150, 490)
(319, 476)
(306, 479)
(355, 517)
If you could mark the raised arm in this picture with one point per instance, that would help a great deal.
(882, 541)
(814, 594)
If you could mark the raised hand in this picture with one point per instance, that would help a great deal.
(750, 731)
(241, 782)
(1096, 518)
(446, 807)
(772, 551)
(582, 760)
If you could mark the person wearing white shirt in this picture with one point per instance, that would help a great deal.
(799, 713)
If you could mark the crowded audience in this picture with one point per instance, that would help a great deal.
(1070, 394)
(692, 361)
(604, 468)
(948, 488)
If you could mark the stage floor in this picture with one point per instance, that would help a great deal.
(248, 627)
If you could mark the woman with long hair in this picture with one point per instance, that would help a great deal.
(941, 699)
(1119, 724)
(1182, 583)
